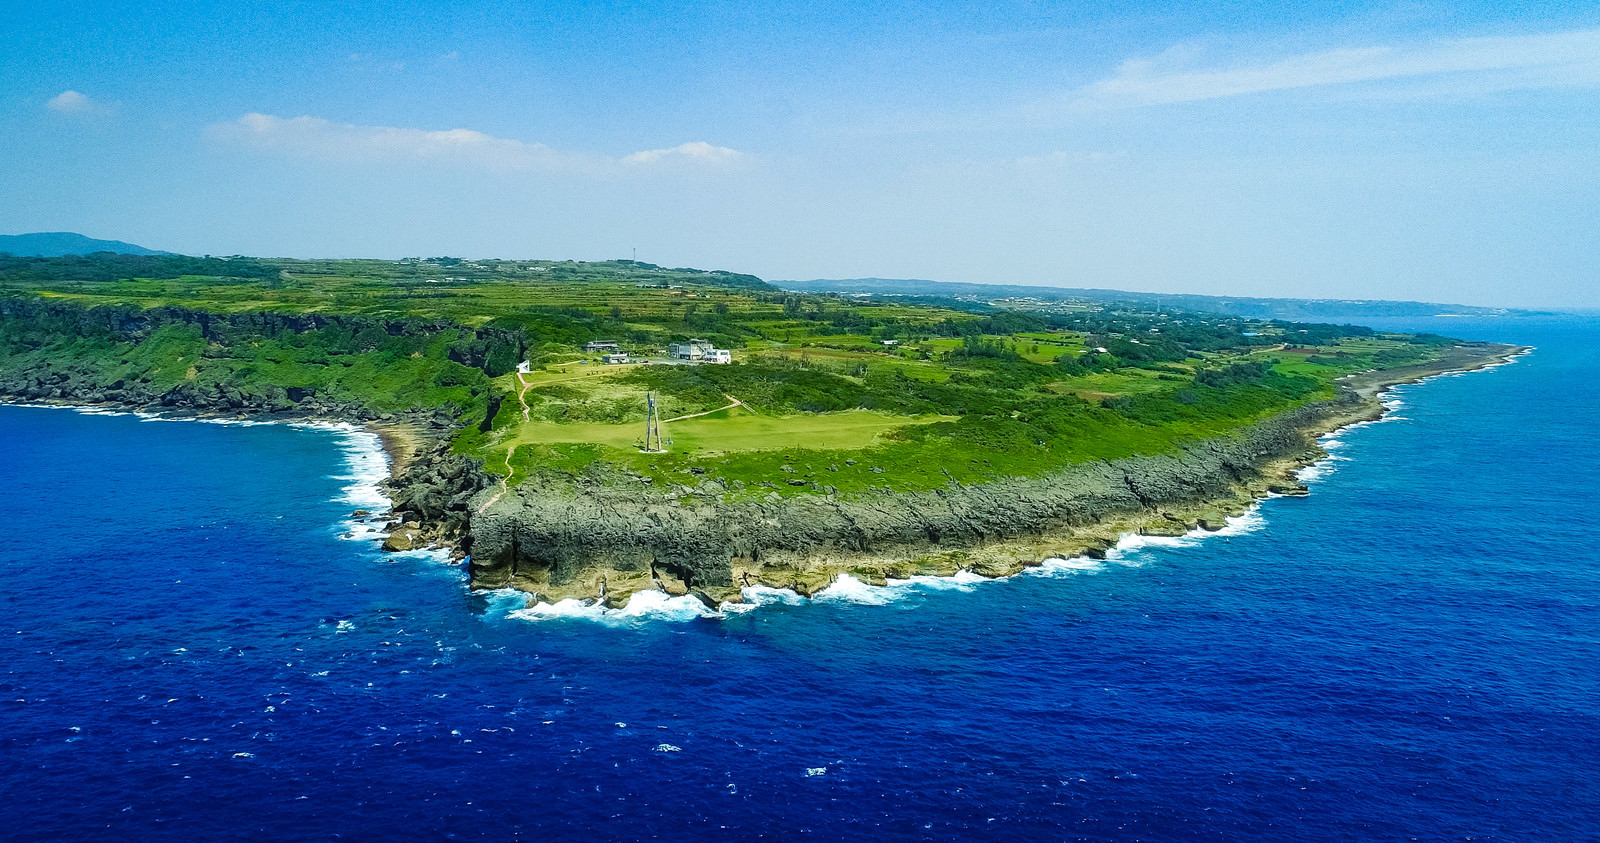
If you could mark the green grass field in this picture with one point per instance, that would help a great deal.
(962, 395)
(727, 431)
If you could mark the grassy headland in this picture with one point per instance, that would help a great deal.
(828, 396)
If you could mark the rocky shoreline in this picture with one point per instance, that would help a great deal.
(603, 538)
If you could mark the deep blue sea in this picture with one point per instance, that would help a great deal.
(191, 650)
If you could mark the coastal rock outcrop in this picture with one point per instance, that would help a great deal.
(559, 538)
(435, 489)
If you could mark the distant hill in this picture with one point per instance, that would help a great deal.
(57, 243)
(1254, 308)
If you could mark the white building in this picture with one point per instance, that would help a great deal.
(718, 355)
(614, 357)
(691, 350)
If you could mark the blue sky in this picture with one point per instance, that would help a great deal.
(1446, 152)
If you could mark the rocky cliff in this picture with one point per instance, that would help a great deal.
(608, 536)
(433, 490)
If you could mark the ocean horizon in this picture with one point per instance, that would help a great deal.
(203, 643)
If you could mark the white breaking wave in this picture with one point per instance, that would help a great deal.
(642, 605)
(959, 581)
(1056, 566)
(366, 464)
(848, 589)
(655, 605)
(761, 595)
(1238, 525)
(366, 467)
(1128, 547)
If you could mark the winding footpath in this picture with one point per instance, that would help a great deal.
(736, 403)
(505, 485)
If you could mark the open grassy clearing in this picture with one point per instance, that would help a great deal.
(1108, 384)
(727, 431)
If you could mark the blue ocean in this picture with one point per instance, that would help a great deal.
(194, 646)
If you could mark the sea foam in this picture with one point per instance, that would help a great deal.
(846, 589)
(641, 606)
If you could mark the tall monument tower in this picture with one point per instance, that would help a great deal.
(652, 425)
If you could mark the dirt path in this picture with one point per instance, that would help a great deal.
(505, 482)
(736, 403)
(522, 392)
(505, 485)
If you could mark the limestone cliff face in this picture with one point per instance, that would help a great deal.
(559, 538)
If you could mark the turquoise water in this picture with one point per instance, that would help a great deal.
(191, 649)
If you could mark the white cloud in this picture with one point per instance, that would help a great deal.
(314, 137)
(1526, 61)
(72, 102)
(699, 151)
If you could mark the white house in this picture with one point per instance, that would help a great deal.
(718, 355)
(614, 357)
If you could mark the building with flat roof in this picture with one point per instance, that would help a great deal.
(600, 345)
(689, 350)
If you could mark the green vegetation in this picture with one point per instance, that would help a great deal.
(826, 393)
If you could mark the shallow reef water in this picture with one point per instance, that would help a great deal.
(198, 642)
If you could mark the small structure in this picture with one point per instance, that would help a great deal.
(600, 345)
(653, 443)
(614, 357)
(718, 355)
(524, 368)
(889, 342)
(691, 350)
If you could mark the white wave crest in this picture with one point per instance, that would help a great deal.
(848, 589)
(642, 605)
(366, 464)
(760, 595)
(1056, 566)
(1315, 471)
(1238, 525)
(1131, 543)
